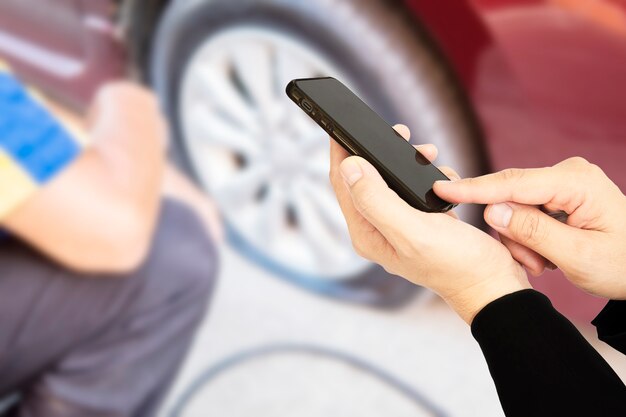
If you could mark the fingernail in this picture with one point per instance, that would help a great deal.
(351, 171)
(500, 215)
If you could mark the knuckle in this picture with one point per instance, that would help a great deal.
(596, 170)
(120, 87)
(532, 230)
(511, 174)
(577, 161)
(579, 166)
(584, 171)
(130, 94)
(469, 182)
(467, 185)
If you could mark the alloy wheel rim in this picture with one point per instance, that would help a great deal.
(262, 160)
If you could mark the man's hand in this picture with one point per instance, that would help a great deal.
(464, 265)
(590, 247)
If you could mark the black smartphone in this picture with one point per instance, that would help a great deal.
(362, 132)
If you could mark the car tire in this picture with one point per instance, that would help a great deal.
(383, 54)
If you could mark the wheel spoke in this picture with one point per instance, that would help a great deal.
(254, 67)
(220, 91)
(312, 139)
(315, 232)
(327, 208)
(274, 215)
(243, 187)
(211, 129)
(317, 166)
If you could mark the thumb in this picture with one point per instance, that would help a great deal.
(374, 200)
(532, 228)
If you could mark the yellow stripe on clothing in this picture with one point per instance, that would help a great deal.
(15, 185)
(4, 67)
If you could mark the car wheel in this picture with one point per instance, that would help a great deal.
(221, 66)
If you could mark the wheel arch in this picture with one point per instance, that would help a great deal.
(460, 49)
(168, 35)
(461, 46)
(140, 19)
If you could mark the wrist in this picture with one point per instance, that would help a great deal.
(469, 302)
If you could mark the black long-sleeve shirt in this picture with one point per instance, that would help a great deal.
(541, 364)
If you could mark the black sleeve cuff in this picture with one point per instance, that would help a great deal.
(540, 363)
(511, 311)
(611, 325)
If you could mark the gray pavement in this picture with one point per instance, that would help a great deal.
(424, 343)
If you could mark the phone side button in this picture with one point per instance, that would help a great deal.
(343, 142)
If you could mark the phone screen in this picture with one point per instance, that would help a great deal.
(404, 169)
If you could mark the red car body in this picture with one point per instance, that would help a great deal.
(545, 77)
(547, 80)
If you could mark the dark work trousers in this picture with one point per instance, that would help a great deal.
(78, 345)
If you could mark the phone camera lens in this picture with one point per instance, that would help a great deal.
(306, 106)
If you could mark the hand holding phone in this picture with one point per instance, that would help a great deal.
(464, 265)
(362, 132)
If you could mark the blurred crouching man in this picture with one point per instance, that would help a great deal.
(107, 259)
